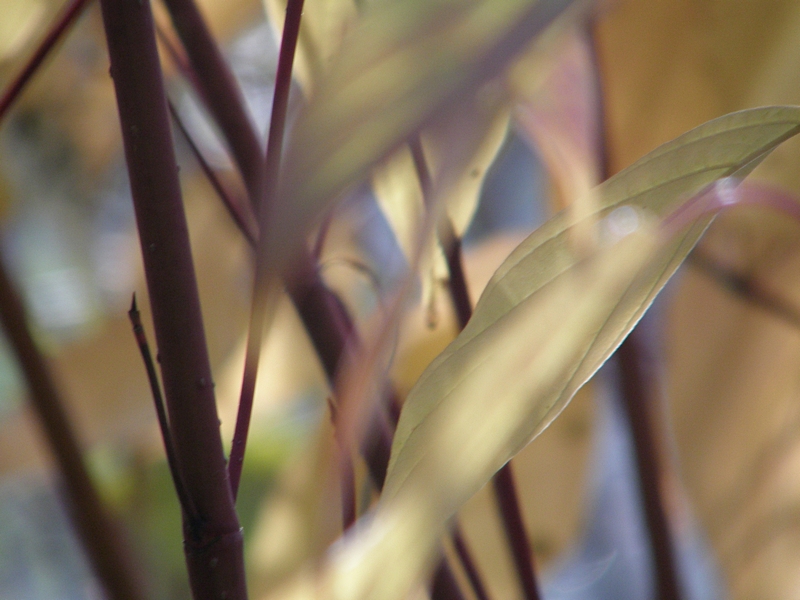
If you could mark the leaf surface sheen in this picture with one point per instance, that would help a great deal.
(403, 64)
(545, 323)
(656, 185)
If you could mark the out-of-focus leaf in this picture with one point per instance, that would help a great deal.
(395, 549)
(477, 129)
(658, 183)
(557, 111)
(479, 125)
(19, 22)
(543, 326)
(399, 194)
(322, 29)
(403, 64)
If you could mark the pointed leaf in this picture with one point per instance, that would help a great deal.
(403, 64)
(658, 183)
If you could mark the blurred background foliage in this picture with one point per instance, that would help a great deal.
(731, 381)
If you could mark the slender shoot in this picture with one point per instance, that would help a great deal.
(161, 412)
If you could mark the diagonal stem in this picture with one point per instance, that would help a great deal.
(213, 541)
(69, 14)
(110, 560)
(161, 411)
(220, 92)
(241, 214)
(506, 491)
(463, 306)
(637, 387)
(260, 309)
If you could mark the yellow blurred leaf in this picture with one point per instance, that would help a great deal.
(456, 429)
(477, 130)
(399, 541)
(403, 64)
(544, 325)
(322, 29)
(19, 21)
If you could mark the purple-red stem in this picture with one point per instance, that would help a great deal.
(258, 314)
(470, 568)
(63, 22)
(324, 317)
(161, 410)
(506, 491)
(744, 287)
(322, 313)
(213, 541)
(241, 214)
(637, 386)
(444, 585)
(221, 93)
(503, 480)
(98, 533)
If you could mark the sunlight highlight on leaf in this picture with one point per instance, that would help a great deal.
(658, 183)
(399, 541)
(544, 325)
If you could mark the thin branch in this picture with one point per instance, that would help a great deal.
(637, 388)
(161, 411)
(459, 294)
(324, 317)
(448, 239)
(98, 533)
(240, 212)
(221, 94)
(213, 542)
(745, 288)
(638, 384)
(444, 585)
(470, 568)
(259, 309)
(69, 14)
(506, 491)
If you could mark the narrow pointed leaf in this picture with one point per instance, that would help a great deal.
(657, 184)
(399, 542)
(403, 64)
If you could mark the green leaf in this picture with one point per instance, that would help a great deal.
(544, 325)
(658, 183)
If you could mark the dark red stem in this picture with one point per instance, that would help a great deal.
(258, 314)
(444, 585)
(96, 530)
(470, 568)
(506, 491)
(745, 288)
(161, 411)
(63, 22)
(213, 541)
(324, 317)
(637, 386)
(241, 214)
(221, 93)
